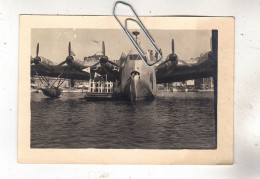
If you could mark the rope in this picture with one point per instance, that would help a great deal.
(122, 85)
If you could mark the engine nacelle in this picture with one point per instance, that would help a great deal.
(37, 60)
(69, 59)
(170, 63)
(103, 59)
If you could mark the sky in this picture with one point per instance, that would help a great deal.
(86, 42)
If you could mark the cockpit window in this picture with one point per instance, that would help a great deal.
(135, 57)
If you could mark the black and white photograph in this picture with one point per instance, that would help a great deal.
(91, 89)
(130, 89)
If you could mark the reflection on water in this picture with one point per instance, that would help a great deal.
(179, 121)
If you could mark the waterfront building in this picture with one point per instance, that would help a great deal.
(204, 83)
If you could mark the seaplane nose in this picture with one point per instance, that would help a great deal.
(134, 73)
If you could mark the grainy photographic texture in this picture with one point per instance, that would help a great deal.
(91, 89)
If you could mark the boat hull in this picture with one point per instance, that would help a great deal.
(52, 92)
(138, 82)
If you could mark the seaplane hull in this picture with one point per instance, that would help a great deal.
(138, 80)
(52, 92)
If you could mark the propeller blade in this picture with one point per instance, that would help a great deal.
(37, 50)
(95, 64)
(69, 49)
(215, 43)
(103, 48)
(62, 63)
(185, 63)
(172, 45)
(165, 61)
(113, 63)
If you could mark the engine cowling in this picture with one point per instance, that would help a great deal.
(36, 60)
(172, 61)
(69, 59)
(104, 59)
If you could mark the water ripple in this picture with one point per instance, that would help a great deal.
(178, 121)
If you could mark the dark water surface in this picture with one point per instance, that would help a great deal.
(179, 121)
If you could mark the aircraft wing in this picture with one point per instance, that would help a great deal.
(64, 71)
(170, 72)
(69, 73)
(75, 69)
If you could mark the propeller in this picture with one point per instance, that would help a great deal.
(104, 59)
(103, 48)
(37, 50)
(210, 54)
(69, 48)
(36, 60)
(172, 45)
(214, 42)
(69, 58)
(174, 58)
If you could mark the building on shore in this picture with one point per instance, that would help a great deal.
(204, 83)
(189, 85)
(77, 85)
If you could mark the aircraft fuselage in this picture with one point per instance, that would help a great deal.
(138, 81)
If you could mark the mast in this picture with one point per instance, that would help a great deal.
(136, 33)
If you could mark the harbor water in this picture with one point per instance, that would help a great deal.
(176, 120)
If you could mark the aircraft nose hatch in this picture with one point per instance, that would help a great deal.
(133, 73)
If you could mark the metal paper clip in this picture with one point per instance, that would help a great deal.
(139, 50)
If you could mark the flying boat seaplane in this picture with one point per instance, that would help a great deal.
(71, 68)
(43, 68)
(41, 65)
(138, 80)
